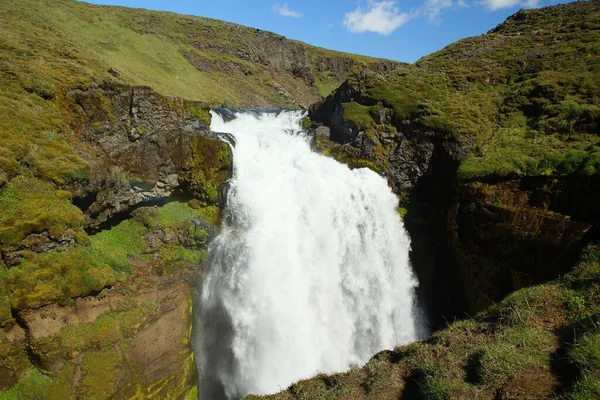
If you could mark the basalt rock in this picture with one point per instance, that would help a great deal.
(473, 240)
(147, 147)
(512, 234)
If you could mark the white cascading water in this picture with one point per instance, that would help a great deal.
(310, 273)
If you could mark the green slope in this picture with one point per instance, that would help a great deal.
(523, 99)
(190, 57)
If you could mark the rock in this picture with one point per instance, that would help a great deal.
(147, 331)
(148, 138)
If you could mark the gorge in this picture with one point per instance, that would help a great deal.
(128, 192)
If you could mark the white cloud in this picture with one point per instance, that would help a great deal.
(433, 8)
(382, 17)
(285, 11)
(494, 5)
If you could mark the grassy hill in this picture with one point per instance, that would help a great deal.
(64, 42)
(523, 99)
(474, 119)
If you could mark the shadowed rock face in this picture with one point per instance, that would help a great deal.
(512, 234)
(475, 241)
(486, 216)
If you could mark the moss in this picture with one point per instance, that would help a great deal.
(200, 112)
(109, 329)
(401, 212)
(306, 123)
(35, 385)
(78, 271)
(209, 166)
(347, 155)
(358, 114)
(176, 213)
(30, 205)
(100, 373)
(115, 245)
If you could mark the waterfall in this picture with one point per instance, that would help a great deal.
(310, 272)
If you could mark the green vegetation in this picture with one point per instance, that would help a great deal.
(510, 349)
(51, 47)
(30, 206)
(359, 114)
(209, 166)
(100, 373)
(401, 212)
(61, 275)
(105, 264)
(106, 258)
(110, 328)
(33, 384)
(143, 47)
(524, 100)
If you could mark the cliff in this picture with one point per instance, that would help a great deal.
(492, 145)
(111, 186)
(105, 219)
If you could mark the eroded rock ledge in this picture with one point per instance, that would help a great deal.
(107, 313)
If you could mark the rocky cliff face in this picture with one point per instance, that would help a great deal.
(103, 309)
(490, 207)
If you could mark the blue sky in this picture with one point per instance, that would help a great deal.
(402, 30)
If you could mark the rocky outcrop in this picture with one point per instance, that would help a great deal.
(512, 234)
(151, 146)
(472, 242)
(107, 313)
(276, 53)
(489, 206)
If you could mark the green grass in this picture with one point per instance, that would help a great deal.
(34, 384)
(175, 213)
(524, 104)
(51, 47)
(509, 349)
(101, 371)
(359, 114)
(145, 46)
(30, 205)
(61, 275)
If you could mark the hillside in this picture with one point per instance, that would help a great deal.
(69, 43)
(492, 145)
(112, 186)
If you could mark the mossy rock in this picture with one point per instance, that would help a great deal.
(209, 167)
(30, 205)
